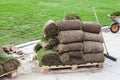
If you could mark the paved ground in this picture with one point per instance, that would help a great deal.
(111, 70)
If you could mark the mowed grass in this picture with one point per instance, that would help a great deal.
(23, 20)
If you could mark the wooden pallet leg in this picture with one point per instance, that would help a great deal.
(100, 65)
(74, 67)
(35, 56)
(45, 69)
(12, 74)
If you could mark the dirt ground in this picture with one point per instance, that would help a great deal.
(29, 70)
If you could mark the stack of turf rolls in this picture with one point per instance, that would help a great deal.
(93, 42)
(7, 63)
(70, 42)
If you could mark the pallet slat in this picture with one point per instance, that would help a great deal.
(10, 74)
(45, 69)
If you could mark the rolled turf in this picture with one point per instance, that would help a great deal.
(61, 48)
(70, 36)
(93, 37)
(94, 57)
(69, 25)
(74, 61)
(48, 57)
(91, 27)
(93, 47)
(9, 63)
(75, 54)
(50, 29)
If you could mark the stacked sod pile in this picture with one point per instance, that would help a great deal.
(7, 63)
(70, 42)
(93, 43)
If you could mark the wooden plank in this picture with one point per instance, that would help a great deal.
(10, 74)
(13, 74)
(73, 67)
(35, 56)
(100, 65)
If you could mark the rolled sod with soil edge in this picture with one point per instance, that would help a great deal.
(50, 29)
(75, 54)
(93, 37)
(94, 58)
(74, 61)
(91, 27)
(48, 57)
(9, 63)
(64, 25)
(93, 47)
(70, 36)
(61, 48)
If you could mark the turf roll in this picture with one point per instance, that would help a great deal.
(50, 29)
(93, 47)
(91, 27)
(9, 63)
(74, 61)
(48, 57)
(75, 54)
(70, 36)
(69, 25)
(61, 48)
(93, 37)
(94, 57)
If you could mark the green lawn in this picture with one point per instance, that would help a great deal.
(23, 20)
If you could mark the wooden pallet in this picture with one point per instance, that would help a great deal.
(45, 69)
(10, 74)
